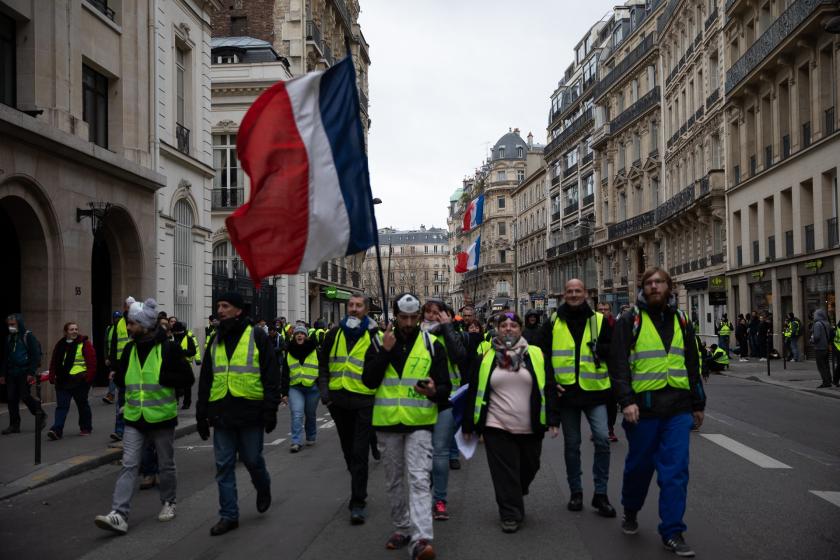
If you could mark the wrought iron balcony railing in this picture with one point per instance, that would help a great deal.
(182, 137)
(627, 63)
(636, 110)
(634, 225)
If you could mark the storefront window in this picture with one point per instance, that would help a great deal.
(818, 291)
(761, 297)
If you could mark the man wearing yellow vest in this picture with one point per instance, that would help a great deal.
(575, 342)
(186, 340)
(109, 397)
(350, 402)
(238, 395)
(116, 344)
(72, 369)
(149, 371)
(410, 376)
(300, 374)
(656, 379)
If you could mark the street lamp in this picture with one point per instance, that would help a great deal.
(96, 213)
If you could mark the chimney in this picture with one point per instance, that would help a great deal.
(530, 140)
(516, 131)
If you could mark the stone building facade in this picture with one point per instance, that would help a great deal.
(782, 156)
(530, 236)
(77, 119)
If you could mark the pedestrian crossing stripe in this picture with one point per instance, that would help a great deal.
(832, 497)
(748, 453)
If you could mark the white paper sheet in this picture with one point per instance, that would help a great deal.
(467, 448)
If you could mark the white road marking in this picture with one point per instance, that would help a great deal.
(277, 441)
(833, 497)
(190, 447)
(748, 453)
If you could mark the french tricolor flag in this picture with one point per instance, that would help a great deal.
(474, 213)
(302, 145)
(468, 260)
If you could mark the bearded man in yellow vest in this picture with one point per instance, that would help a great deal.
(149, 371)
(655, 373)
(238, 395)
(349, 401)
(575, 342)
(410, 376)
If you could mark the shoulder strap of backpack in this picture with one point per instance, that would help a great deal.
(637, 323)
(430, 344)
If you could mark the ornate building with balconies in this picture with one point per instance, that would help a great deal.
(782, 155)
(628, 161)
(570, 162)
(530, 236)
(690, 205)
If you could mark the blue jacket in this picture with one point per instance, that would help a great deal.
(22, 352)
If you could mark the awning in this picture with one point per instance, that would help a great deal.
(331, 292)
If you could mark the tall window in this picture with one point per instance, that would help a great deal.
(520, 153)
(501, 202)
(95, 105)
(501, 176)
(183, 259)
(502, 152)
(520, 175)
(228, 182)
(226, 263)
(502, 228)
(8, 54)
(180, 85)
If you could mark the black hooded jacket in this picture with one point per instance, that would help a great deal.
(238, 412)
(576, 318)
(667, 401)
(175, 371)
(532, 332)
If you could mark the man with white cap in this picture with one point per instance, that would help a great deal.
(148, 373)
(411, 377)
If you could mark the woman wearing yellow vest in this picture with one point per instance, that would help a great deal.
(410, 375)
(655, 374)
(511, 402)
(300, 373)
(72, 369)
(149, 371)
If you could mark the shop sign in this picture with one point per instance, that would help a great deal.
(813, 265)
(717, 283)
(758, 275)
(552, 303)
(717, 298)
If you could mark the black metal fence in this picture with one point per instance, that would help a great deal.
(262, 302)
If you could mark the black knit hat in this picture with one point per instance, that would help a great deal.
(233, 298)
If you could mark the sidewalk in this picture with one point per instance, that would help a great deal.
(800, 376)
(68, 456)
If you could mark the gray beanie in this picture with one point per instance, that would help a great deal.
(300, 329)
(144, 314)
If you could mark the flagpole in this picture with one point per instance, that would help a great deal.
(384, 299)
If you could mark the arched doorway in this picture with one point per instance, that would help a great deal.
(100, 300)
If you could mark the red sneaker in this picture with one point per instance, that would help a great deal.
(439, 511)
(613, 438)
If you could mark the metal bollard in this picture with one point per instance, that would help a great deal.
(769, 348)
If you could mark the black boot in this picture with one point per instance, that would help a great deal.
(12, 429)
(601, 503)
(576, 502)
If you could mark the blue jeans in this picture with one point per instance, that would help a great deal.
(303, 401)
(441, 452)
(794, 348)
(659, 444)
(63, 397)
(248, 442)
(723, 342)
(570, 420)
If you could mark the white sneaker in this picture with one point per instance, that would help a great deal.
(762, 360)
(114, 521)
(167, 512)
(743, 360)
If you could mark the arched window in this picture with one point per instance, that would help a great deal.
(226, 263)
(182, 258)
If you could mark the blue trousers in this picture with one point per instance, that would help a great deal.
(659, 444)
(442, 435)
(248, 442)
(597, 418)
(303, 405)
(63, 397)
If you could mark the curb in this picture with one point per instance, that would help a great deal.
(47, 474)
(755, 378)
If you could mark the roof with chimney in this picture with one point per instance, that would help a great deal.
(507, 147)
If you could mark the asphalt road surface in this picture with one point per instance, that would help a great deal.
(765, 483)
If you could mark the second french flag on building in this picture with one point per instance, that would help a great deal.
(468, 260)
(474, 213)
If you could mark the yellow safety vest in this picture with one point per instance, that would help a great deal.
(563, 349)
(454, 374)
(652, 367)
(240, 375)
(725, 328)
(144, 396)
(79, 365)
(397, 401)
(122, 337)
(303, 373)
(346, 368)
(483, 347)
(721, 357)
(537, 361)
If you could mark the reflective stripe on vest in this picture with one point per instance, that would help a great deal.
(725, 329)
(346, 369)
(454, 374)
(122, 337)
(185, 347)
(240, 376)
(79, 365)
(537, 361)
(652, 367)
(144, 395)
(397, 401)
(563, 347)
(305, 373)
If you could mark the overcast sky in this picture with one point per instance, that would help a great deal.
(447, 79)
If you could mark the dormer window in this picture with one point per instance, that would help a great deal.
(502, 152)
(520, 153)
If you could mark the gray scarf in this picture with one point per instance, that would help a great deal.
(509, 358)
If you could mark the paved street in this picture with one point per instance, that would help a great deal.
(758, 464)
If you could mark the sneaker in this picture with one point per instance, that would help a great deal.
(439, 511)
(108, 399)
(309, 442)
(52, 435)
(423, 551)
(114, 521)
(358, 516)
(510, 526)
(295, 448)
(148, 481)
(397, 541)
(678, 546)
(824, 386)
(115, 436)
(629, 525)
(612, 437)
(223, 526)
(454, 464)
(84, 432)
(760, 360)
(576, 502)
(167, 512)
(602, 505)
(743, 360)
